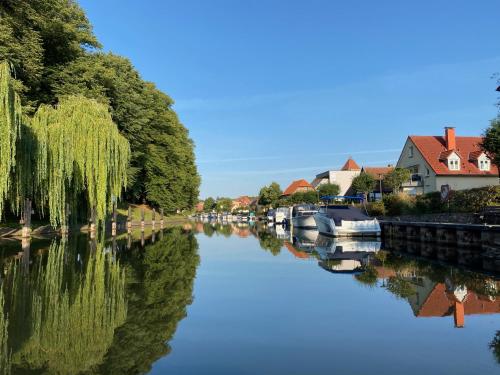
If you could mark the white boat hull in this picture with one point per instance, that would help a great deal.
(326, 226)
(304, 222)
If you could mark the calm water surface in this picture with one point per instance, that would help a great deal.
(227, 299)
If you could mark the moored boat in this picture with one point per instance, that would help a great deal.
(303, 216)
(346, 221)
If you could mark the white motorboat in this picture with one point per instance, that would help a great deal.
(270, 216)
(282, 215)
(346, 221)
(303, 216)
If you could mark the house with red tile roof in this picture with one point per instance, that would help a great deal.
(342, 177)
(240, 202)
(378, 173)
(299, 186)
(446, 160)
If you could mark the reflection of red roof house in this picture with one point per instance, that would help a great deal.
(295, 252)
(199, 207)
(440, 302)
(298, 186)
(351, 165)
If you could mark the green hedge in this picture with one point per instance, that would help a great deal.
(461, 201)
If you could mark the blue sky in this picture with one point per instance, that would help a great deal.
(280, 90)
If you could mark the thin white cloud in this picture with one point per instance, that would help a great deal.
(278, 157)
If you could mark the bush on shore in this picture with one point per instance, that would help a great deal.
(461, 201)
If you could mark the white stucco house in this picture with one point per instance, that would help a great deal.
(342, 177)
(446, 160)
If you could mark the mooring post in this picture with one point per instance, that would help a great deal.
(161, 218)
(129, 219)
(143, 215)
(153, 237)
(113, 221)
(153, 219)
(129, 240)
(26, 231)
(25, 244)
(92, 226)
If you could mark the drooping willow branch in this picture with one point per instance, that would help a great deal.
(79, 150)
(64, 153)
(10, 123)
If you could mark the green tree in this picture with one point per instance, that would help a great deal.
(162, 169)
(40, 36)
(328, 190)
(396, 178)
(364, 183)
(209, 204)
(224, 204)
(269, 195)
(308, 197)
(491, 141)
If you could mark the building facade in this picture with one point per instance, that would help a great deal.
(342, 177)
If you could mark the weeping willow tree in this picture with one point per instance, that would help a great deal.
(68, 312)
(79, 151)
(10, 124)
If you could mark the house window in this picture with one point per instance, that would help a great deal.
(410, 152)
(427, 172)
(484, 165)
(454, 164)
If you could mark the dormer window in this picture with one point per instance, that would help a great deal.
(454, 164)
(484, 164)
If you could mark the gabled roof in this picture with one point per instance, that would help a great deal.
(475, 155)
(294, 186)
(244, 200)
(378, 172)
(351, 165)
(433, 148)
(440, 303)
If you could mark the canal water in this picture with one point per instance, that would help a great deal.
(211, 298)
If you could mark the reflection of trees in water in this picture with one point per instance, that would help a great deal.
(5, 352)
(208, 229)
(368, 277)
(63, 313)
(159, 288)
(269, 242)
(495, 346)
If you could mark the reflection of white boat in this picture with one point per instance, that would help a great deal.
(345, 255)
(305, 239)
(303, 216)
(345, 221)
(281, 232)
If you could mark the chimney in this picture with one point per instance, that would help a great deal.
(459, 315)
(449, 136)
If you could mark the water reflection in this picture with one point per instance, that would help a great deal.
(86, 306)
(431, 289)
